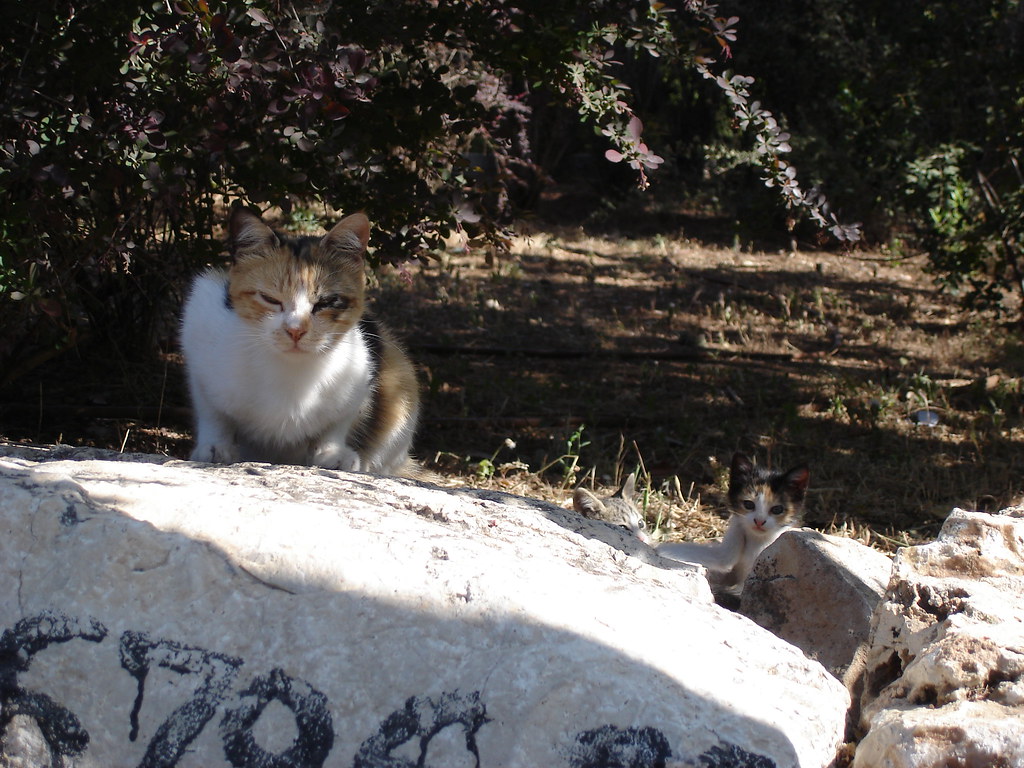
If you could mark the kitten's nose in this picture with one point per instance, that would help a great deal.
(296, 333)
(759, 523)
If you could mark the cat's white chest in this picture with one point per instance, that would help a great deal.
(286, 401)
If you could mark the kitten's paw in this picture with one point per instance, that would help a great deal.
(334, 456)
(215, 453)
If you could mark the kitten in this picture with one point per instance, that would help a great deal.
(282, 364)
(764, 503)
(618, 509)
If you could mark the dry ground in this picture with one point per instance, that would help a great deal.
(580, 358)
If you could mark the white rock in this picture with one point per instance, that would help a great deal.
(818, 592)
(969, 733)
(944, 683)
(159, 613)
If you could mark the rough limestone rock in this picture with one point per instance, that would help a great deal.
(160, 613)
(944, 681)
(819, 592)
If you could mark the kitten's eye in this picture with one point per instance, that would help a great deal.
(270, 299)
(748, 504)
(333, 301)
(777, 510)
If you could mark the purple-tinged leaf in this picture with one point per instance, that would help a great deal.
(259, 17)
(635, 128)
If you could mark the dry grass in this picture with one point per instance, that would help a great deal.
(579, 358)
(672, 355)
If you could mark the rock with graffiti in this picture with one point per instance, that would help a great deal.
(161, 613)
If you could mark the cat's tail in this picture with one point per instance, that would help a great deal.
(412, 469)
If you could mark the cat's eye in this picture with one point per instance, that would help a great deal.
(748, 504)
(270, 299)
(332, 301)
(777, 510)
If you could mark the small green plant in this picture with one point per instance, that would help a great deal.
(569, 462)
(922, 390)
(883, 405)
(868, 403)
(837, 407)
(997, 415)
(486, 468)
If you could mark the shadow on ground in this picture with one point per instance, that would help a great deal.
(667, 352)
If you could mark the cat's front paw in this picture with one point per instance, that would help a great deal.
(215, 453)
(335, 456)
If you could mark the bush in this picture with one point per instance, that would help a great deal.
(916, 125)
(974, 230)
(127, 130)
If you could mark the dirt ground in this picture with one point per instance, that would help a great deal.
(580, 358)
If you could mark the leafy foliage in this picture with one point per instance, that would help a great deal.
(974, 230)
(126, 129)
(931, 117)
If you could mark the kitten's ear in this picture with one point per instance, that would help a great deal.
(349, 237)
(740, 473)
(586, 503)
(628, 489)
(742, 466)
(796, 481)
(247, 232)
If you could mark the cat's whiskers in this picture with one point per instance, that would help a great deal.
(374, 349)
(253, 341)
(257, 339)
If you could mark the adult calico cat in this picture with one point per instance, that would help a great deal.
(283, 364)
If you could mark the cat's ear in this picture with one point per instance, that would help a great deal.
(796, 480)
(742, 466)
(628, 489)
(586, 503)
(348, 238)
(247, 232)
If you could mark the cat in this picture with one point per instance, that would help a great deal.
(764, 503)
(283, 364)
(617, 509)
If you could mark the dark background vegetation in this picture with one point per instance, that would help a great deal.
(126, 130)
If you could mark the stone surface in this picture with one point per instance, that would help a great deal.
(972, 734)
(944, 683)
(160, 613)
(818, 592)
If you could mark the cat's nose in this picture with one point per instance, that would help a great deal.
(759, 523)
(296, 333)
